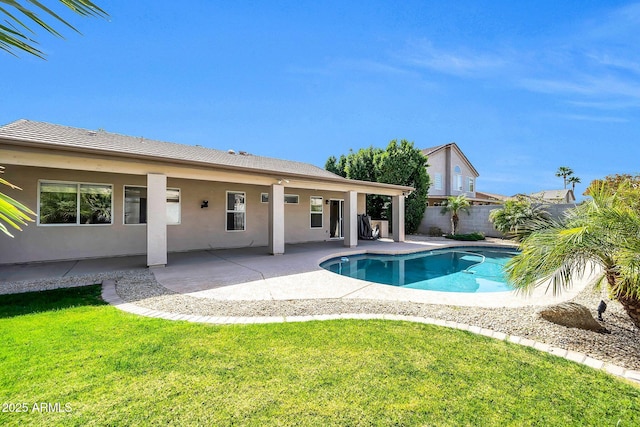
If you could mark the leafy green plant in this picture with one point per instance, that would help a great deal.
(12, 212)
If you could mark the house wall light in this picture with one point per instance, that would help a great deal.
(204, 204)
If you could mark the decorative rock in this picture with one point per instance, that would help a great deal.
(571, 315)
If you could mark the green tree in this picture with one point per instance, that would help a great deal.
(21, 16)
(613, 182)
(604, 230)
(12, 212)
(564, 172)
(455, 204)
(514, 217)
(401, 163)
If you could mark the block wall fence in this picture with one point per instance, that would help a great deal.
(476, 220)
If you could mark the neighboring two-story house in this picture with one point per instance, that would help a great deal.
(451, 174)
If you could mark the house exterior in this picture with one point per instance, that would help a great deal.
(564, 196)
(451, 174)
(99, 194)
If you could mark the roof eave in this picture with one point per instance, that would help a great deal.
(23, 142)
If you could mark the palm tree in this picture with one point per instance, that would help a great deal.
(12, 212)
(515, 216)
(20, 15)
(455, 204)
(573, 180)
(564, 172)
(603, 231)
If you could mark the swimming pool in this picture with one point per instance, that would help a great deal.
(461, 269)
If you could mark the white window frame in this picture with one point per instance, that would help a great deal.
(437, 181)
(228, 211)
(471, 185)
(457, 179)
(77, 184)
(124, 203)
(264, 198)
(312, 213)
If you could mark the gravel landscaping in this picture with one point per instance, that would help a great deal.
(620, 347)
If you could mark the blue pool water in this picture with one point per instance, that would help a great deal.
(462, 269)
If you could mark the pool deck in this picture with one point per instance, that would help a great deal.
(252, 274)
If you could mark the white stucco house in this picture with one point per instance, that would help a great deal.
(100, 194)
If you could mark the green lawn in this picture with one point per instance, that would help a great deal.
(105, 367)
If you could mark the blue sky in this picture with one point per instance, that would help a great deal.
(522, 87)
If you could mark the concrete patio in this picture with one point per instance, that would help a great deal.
(251, 274)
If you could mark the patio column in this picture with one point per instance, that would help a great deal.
(156, 220)
(276, 219)
(351, 219)
(398, 218)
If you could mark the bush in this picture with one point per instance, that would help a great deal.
(435, 232)
(471, 237)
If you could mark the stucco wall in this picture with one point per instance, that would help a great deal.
(437, 164)
(200, 228)
(477, 220)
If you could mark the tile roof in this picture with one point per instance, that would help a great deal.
(111, 143)
(553, 194)
(427, 151)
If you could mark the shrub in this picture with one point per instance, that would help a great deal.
(471, 237)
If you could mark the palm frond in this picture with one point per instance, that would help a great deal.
(32, 12)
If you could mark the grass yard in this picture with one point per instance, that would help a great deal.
(91, 364)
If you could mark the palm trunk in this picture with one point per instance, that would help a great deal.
(454, 223)
(632, 306)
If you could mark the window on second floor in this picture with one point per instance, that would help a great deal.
(437, 184)
(470, 184)
(457, 178)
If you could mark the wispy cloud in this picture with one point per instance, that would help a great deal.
(338, 65)
(587, 85)
(462, 62)
(589, 118)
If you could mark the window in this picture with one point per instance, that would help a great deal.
(236, 211)
(457, 178)
(470, 184)
(135, 205)
(316, 212)
(290, 199)
(75, 203)
(438, 181)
